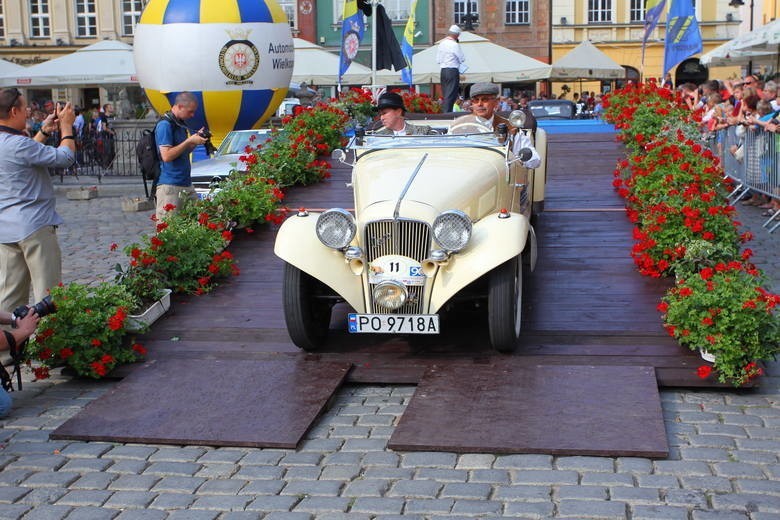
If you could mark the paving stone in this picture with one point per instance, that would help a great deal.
(491, 476)
(524, 462)
(714, 484)
(429, 506)
(364, 445)
(529, 509)
(263, 487)
(769, 487)
(93, 481)
(633, 465)
(348, 459)
(128, 466)
(165, 469)
(634, 495)
(217, 470)
(686, 497)
(287, 516)
(584, 464)
(415, 489)
(324, 446)
(749, 502)
(658, 512)
(718, 515)
(31, 448)
(607, 479)
(705, 454)
(366, 488)
(581, 493)
(263, 457)
(178, 484)
(12, 477)
(523, 493)
(712, 441)
(87, 465)
(13, 511)
(738, 470)
(38, 462)
(313, 488)
(221, 487)
(240, 515)
(388, 473)
(742, 420)
(273, 503)
(47, 512)
(475, 461)
(86, 449)
(176, 454)
(758, 457)
(221, 502)
(130, 499)
(429, 459)
(551, 477)
(303, 473)
(376, 420)
(340, 472)
(9, 495)
(682, 468)
(259, 472)
(476, 507)
(169, 501)
(92, 513)
(350, 432)
(466, 490)
(51, 479)
(193, 515)
(129, 451)
(142, 514)
(323, 504)
(442, 475)
(730, 430)
(82, 498)
(591, 509)
(221, 455)
(301, 459)
(43, 496)
(344, 516)
(378, 506)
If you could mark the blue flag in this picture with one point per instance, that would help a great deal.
(653, 11)
(407, 45)
(683, 38)
(351, 34)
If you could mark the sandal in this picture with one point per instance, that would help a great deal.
(768, 213)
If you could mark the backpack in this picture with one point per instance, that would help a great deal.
(148, 155)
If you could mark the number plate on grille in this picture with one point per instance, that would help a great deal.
(394, 323)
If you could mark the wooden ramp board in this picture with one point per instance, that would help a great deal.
(517, 407)
(268, 403)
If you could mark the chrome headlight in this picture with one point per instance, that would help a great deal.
(452, 230)
(390, 294)
(336, 228)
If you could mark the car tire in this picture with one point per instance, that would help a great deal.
(306, 312)
(505, 304)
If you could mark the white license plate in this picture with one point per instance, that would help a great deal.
(393, 323)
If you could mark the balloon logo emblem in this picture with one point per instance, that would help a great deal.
(239, 59)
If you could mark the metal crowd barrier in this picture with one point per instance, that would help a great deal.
(101, 156)
(750, 158)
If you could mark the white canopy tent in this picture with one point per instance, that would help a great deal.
(585, 61)
(6, 67)
(316, 66)
(726, 55)
(486, 61)
(108, 62)
(764, 39)
(759, 47)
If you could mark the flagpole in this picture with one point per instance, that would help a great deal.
(374, 3)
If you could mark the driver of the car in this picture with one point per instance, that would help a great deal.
(391, 113)
(484, 101)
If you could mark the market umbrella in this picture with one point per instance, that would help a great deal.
(7, 67)
(108, 62)
(764, 39)
(486, 61)
(727, 54)
(316, 66)
(585, 61)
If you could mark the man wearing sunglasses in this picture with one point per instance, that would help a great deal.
(29, 251)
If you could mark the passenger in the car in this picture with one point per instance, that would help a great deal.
(391, 114)
(484, 101)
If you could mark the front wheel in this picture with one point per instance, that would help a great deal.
(307, 309)
(505, 305)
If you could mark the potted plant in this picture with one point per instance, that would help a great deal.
(86, 332)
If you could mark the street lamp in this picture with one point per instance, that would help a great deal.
(740, 3)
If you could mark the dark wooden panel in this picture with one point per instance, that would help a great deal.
(518, 407)
(268, 403)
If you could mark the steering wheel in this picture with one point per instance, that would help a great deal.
(470, 127)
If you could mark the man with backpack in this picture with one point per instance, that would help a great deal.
(175, 144)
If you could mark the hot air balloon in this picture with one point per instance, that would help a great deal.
(236, 56)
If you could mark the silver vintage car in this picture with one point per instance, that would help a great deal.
(435, 217)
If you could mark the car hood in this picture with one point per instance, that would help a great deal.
(218, 166)
(450, 178)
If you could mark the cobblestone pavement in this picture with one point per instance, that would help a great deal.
(723, 463)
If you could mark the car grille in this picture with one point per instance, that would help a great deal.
(411, 238)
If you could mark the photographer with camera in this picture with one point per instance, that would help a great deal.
(29, 251)
(21, 329)
(172, 137)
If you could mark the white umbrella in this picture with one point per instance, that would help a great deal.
(7, 67)
(764, 39)
(727, 55)
(108, 62)
(585, 61)
(486, 61)
(316, 66)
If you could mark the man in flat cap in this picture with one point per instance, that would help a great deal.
(391, 113)
(450, 58)
(484, 100)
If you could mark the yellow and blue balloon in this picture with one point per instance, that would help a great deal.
(236, 56)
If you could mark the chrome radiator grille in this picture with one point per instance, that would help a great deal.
(411, 238)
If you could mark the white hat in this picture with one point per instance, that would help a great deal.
(454, 29)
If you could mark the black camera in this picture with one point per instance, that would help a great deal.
(42, 308)
(205, 134)
(210, 148)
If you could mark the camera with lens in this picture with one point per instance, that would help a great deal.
(210, 148)
(42, 308)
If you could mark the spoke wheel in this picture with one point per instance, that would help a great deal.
(505, 305)
(306, 312)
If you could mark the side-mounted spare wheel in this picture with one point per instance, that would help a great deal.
(307, 308)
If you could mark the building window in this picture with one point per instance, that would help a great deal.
(289, 10)
(461, 8)
(517, 12)
(39, 19)
(599, 11)
(637, 11)
(86, 19)
(131, 13)
(398, 10)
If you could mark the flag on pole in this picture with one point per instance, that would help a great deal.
(407, 45)
(351, 34)
(653, 11)
(683, 37)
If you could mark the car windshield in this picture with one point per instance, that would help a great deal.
(428, 141)
(236, 142)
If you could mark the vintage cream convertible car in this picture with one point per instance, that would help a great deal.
(435, 217)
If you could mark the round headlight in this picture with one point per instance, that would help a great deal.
(336, 228)
(390, 294)
(452, 230)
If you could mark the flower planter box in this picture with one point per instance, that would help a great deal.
(82, 194)
(137, 322)
(137, 204)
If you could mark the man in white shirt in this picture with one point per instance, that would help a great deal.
(484, 100)
(391, 113)
(450, 58)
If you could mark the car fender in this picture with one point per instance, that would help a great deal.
(540, 173)
(493, 241)
(297, 244)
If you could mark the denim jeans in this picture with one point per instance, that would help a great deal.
(5, 403)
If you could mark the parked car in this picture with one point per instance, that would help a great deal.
(208, 172)
(439, 220)
(553, 109)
